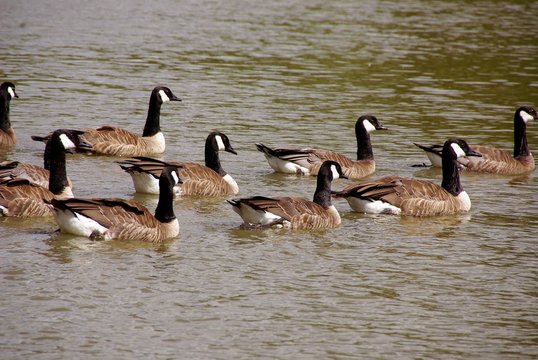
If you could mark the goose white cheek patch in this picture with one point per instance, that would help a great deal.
(458, 150)
(368, 126)
(336, 175)
(11, 92)
(176, 178)
(66, 142)
(220, 143)
(163, 95)
(526, 116)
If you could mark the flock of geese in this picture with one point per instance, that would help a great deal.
(28, 190)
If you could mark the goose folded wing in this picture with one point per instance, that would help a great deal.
(110, 134)
(280, 206)
(196, 179)
(23, 188)
(148, 165)
(33, 173)
(108, 212)
(318, 156)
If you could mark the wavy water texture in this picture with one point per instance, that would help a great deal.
(282, 73)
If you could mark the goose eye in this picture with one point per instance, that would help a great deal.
(163, 95)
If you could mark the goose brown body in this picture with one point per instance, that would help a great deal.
(122, 219)
(194, 179)
(497, 161)
(106, 219)
(409, 197)
(494, 160)
(114, 141)
(294, 212)
(307, 161)
(413, 197)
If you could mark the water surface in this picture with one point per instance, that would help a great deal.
(281, 72)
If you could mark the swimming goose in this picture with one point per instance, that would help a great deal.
(194, 179)
(7, 135)
(21, 198)
(106, 219)
(294, 213)
(494, 160)
(401, 196)
(37, 174)
(113, 141)
(307, 161)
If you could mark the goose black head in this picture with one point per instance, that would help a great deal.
(369, 123)
(459, 148)
(526, 113)
(332, 169)
(220, 142)
(164, 94)
(9, 88)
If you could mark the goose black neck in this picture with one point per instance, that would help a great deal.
(165, 209)
(55, 160)
(212, 160)
(153, 124)
(451, 175)
(5, 99)
(521, 147)
(322, 195)
(364, 146)
(47, 155)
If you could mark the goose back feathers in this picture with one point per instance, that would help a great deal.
(493, 160)
(106, 219)
(307, 161)
(114, 141)
(194, 179)
(7, 134)
(401, 196)
(293, 212)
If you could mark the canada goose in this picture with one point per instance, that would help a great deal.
(7, 135)
(307, 161)
(106, 219)
(494, 160)
(21, 198)
(194, 179)
(113, 141)
(294, 213)
(401, 196)
(37, 174)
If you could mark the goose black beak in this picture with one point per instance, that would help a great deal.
(84, 146)
(381, 127)
(231, 150)
(472, 152)
(175, 98)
